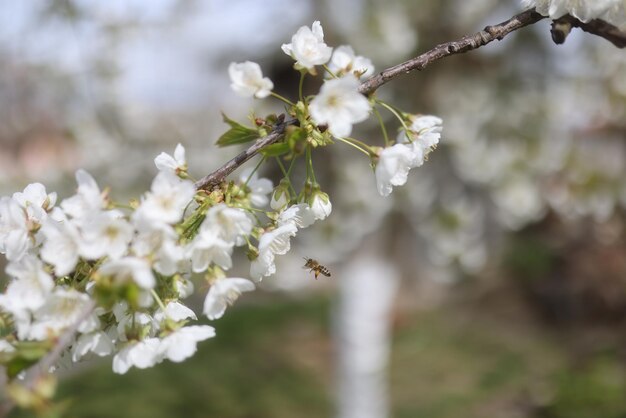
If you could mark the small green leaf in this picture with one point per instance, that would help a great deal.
(237, 134)
(18, 364)
(32, 350)
(275, 150)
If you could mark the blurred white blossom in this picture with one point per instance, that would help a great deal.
(247, 80)
(345, 61)
(173, 164)
(224, 292)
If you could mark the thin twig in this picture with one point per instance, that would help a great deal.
(562, 25)
(467, 43)
(220, 174)
(43, 366)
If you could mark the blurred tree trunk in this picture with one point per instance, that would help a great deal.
(367, 292)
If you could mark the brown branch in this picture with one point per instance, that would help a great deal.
(220, 174)
(43, 366)
(467, 43)
(562, 26)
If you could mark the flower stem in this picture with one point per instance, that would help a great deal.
(286, 174)
(394, 112)
(382, 127)
(157, 299)
(346, 141)
(253, 171)
(301, 85)
(333, 75)
(310, 175)
(281, 98)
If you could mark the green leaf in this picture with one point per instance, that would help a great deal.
(237, 134)
(32, 350)
(15, 366)
(275, 150)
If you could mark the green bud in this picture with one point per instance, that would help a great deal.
(281, 195)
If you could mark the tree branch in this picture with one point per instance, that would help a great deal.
(43, 366)
(562, 26)
(467, 43)
(220, 174)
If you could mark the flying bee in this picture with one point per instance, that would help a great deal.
(315, 266)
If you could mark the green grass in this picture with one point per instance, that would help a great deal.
(276, 360)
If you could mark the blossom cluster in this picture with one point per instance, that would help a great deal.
(118, 273)
(339, 105)
(136, 263)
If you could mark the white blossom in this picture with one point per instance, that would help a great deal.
(130, 324)
(300, 215)
(340, 105)
(518, 202)
(392, 168)
(167, 199)
(14, 231)
(584, 10)
(320, 205)
(106, 233)
(6, 347)
(61, 244)
(88, 198)
(174, 311)
(175, 164)
(97, 342)
(35, 201)
(275, 242)
(307, 47)
(141, 354)
(184, 287)
(280, 196)
(170, 258)
(259, 187)
(208, 247)
(29, 288)
(62, 309)
(224, 292)
(127, 270)
(181, 344)
(159, 241)
(424, 134)
(230, 224)
(345, 61)
(247, 80)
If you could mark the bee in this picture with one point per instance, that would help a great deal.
(315, 266)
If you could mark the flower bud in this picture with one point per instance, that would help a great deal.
(317, 200)
(320, 204)
(280, 197)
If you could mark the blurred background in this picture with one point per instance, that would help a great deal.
(492, 284)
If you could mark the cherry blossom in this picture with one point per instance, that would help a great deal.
(247, 80)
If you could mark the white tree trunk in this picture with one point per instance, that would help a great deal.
(363, 336)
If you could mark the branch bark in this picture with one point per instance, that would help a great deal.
(562, 26)
(216, 177)
(467, 43)
(43, 366)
